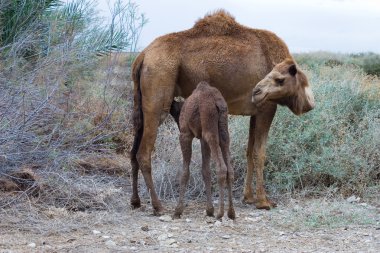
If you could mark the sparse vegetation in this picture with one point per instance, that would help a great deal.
(337, 144)
(66, 104)
(334, 147)
(368, 62)
(65, 127)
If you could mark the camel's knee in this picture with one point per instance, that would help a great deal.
(143, 161)
(222, 176)
(230, 178)
(259, 152)
(211, 139)
(184, 178)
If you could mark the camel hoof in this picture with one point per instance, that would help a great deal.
(210, 212)
(231, 214)
(220, 216)
(176, 216)
(177, 213)
(248, 200)
(265, 204)
(135, 203)
(158, 211)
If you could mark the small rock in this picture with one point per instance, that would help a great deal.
(106, 236)
(145, 228)
(162, 237)
(254, 214)
(353, 199)
(165, 218)
(217, 223)
(110, 243)
(210, 219)
(188, 220)
(226, 236)
(282, 233)
(32, 245)
(168, 242)
(174, 245)
(254, 219)
(96, 232)
(296, 208)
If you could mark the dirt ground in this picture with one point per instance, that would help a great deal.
(314, 225)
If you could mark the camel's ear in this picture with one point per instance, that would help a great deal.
(293, 70)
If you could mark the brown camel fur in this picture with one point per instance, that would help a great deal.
(233, 58)
(204, 115)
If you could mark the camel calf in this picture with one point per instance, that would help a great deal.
(204, 116)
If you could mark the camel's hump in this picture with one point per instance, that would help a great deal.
(219, 22)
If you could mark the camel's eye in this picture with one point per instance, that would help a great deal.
(280, 81)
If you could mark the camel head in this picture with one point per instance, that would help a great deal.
(286, 85)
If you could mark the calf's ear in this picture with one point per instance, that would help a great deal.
(293, 70)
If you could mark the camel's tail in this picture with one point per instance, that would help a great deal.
(138, 117)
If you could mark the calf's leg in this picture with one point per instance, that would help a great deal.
(206, 174)
(185, 141)
(224, 139)
(216, 153)
(224, 145)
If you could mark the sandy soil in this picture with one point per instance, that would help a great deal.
(295, 226)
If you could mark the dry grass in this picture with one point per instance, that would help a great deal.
(76, 143)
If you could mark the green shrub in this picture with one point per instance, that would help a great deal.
(369, 62)
(335, 145)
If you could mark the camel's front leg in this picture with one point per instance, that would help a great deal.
(259, 129)
(248, 192)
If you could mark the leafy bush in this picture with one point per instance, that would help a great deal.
(57, 107)
(369, 62)
(335, 145)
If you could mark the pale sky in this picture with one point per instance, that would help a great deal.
(305, 25)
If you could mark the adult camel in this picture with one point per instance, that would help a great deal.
(234, 59)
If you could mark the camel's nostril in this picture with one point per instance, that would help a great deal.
(257, 92)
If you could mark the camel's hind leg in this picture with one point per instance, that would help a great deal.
(185, 141)
(206, 174)
(155, 106)
(216, 153)
(224, 145)
(151, 123)
(135, 199)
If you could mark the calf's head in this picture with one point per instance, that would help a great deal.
(286, 85)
